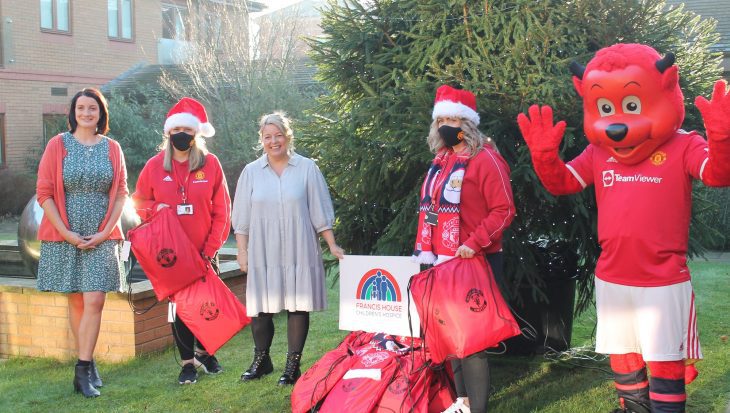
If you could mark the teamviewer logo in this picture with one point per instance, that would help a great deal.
(608, 178)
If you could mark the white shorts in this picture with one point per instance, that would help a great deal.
(660, 323)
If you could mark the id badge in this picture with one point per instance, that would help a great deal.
(185, 209)
(432, 218)
(171, 311)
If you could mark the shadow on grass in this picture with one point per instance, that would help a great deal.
(527, 384)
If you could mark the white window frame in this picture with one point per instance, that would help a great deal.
(182, 14)
(55, 8)
(3, 164)
(120, 22)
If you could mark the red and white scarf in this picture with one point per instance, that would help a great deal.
(440, 193)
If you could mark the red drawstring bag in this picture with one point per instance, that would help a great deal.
(408, 391)
(461, 309)
(441, 393)
(166, 254)
(211, 311)
(316, 382)
(360, 392)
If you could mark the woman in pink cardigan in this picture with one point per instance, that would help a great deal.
(82, 187)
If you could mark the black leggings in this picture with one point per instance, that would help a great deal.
(184, 339)
(471, 374)
(262, 327)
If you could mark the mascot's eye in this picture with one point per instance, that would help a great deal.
(605, 107)
(631, 104)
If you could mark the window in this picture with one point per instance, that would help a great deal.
(174, 22)
(53, 124)
(55, 15)
(213, 26)
(119, 13)
(2, 140)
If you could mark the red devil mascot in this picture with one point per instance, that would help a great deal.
(642, 166)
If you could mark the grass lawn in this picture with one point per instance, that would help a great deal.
(519, 385)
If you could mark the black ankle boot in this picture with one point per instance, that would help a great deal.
(291, 370)
(94, 373)
(633, 407)
(260, 366)
(82, 382)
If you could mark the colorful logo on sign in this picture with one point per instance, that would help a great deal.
(378, 285)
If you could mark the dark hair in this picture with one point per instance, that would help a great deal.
(102, 127)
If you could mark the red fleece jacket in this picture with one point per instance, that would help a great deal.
(207, 192)
(487, 207)
(50, 186)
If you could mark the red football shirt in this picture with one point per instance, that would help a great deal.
(644, 210)
(209, 225)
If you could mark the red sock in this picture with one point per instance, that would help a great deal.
(690, 373)
(629, 371)
(667, 386)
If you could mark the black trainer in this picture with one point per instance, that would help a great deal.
(208, 363)
(188, 375)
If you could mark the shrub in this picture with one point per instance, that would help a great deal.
(15, 191)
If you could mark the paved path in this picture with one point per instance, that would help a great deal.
(715, 256)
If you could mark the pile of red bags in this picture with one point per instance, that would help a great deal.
(375, 373)
(462, 312)
(177, 271)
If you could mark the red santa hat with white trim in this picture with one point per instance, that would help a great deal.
(191, 113)
(457, 103)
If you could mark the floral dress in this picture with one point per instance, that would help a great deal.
(87, 178)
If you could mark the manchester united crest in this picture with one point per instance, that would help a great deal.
(209, 311)
(658, 158)
(450, 234)
(166, 258)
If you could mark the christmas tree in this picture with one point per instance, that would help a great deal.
(382, 63)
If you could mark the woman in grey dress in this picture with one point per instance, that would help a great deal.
(280, 209)
(82, 188)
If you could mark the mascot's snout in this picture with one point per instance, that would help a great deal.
(617, 131)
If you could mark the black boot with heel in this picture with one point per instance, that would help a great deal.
(82, 382)
(260, 366)
(292, 372)
(94, 374)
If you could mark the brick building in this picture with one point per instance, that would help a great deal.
(50, 49)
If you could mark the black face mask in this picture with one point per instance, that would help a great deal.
(451, 136)
(181, 141)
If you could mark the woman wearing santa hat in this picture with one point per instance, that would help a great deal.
(281, 208)
(465, 206)
(186, 177)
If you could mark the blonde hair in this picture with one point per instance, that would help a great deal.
(473, 137)
(196, 157)
(283, 123)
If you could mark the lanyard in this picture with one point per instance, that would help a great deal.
(182, 187)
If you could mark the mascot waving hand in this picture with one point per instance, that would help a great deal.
(642, 165)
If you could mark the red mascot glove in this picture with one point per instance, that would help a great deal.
(716, 114)
(543, 139)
